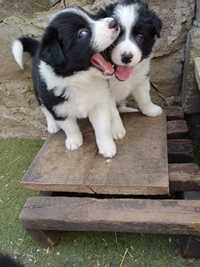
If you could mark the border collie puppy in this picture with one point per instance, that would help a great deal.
(132, 52)
(69, 76)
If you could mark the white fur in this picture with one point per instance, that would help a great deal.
(17, 51)
(87, 96)
(127, 17)
(102, 39)
(52, 126)
(138, 85)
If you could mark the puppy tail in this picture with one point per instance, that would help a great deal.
(21, 45)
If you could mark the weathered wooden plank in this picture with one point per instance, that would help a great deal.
(177, 129)
(115, 215)
(180, 151)
(184, 177)
(189, 246)
(174, 113)
(140, 167)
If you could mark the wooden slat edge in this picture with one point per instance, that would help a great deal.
(113, 215)
(174, 113)
(177, 129)
(180, 151)
(184, 177)
(97, 189)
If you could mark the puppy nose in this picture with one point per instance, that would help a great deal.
(113, 24)
(126, 58)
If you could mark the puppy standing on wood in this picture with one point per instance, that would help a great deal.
(131, 54)
(69, 76)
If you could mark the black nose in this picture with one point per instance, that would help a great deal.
(126, 58)
(113, 24)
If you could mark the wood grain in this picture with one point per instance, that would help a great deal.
(184, 177)
(114, 215)
(140, 167)
(180, 151)
(174, 113)
(177, 129)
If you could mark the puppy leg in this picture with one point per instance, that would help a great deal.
(143, 99)
(123, 108)
(118, 130)
(74, 138)
(100, 119)
(52, 126)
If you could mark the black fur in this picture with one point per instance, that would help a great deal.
(61, 48)
(6, 261)
(29, 45)
(146, 29)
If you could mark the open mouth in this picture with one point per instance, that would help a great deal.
(123, 73)
(100, 62)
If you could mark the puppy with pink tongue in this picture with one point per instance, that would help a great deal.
(131, 54)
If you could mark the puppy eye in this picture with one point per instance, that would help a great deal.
(139, 37)
(83, 33)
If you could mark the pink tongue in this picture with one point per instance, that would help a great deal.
(123, 72)
(99, 61)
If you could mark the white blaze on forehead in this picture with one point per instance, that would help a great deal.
(127, 16)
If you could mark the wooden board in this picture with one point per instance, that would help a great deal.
(115, 215)
(140, 167)
(180, 151)
(184, 177)
(175, 113)
(177, 129)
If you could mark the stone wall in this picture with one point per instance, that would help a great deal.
(20, 115)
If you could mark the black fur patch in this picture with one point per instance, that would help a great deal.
(62, 49)
(144, 31)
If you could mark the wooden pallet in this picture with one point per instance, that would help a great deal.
(172, 210)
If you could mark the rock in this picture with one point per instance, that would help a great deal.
(190, 93)
(22, 7)
(20, 114)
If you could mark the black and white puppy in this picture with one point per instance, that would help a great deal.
(69, 76)
(132, 52)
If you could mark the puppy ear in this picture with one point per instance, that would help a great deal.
(157, 24)
(107, 11)
(51, 49)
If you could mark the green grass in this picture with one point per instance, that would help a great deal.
(76, 249)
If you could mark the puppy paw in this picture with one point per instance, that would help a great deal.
(107, 148)
(125, 109)
(152, 110)
(52, 128)
(74, 142)
(118, 131)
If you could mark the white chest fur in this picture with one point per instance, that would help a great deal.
(83, 91)
(121, 90)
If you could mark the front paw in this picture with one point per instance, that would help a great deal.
(107, 148)
(118, 131)
(74, 142)
(52, 128)
(151, 110)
